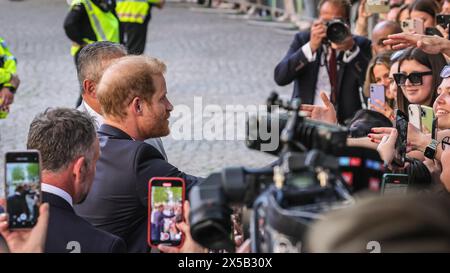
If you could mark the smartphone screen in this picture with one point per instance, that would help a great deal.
(22, 188)
(401, 124)
(394, 184)
(377, 93)
(377, 6)
(166, 198)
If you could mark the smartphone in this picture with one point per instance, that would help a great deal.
(427, 115)
(377, 6)
(166, 196)
(443, 20)
(401, 124)
(377, 92)
(394, 184)
(412, 25)
(22, 188)
(432, 31)
(414, 114)
(434, 129)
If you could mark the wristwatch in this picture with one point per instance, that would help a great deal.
(430, 151)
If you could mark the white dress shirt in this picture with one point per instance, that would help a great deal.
(323, 80)
(99, 120)
(58, 192)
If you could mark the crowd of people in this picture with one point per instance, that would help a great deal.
(103, 203)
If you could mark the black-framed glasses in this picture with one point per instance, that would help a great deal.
(445, 143)
(445, 73)
(415, 77)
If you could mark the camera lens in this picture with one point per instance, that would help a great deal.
(337, 31)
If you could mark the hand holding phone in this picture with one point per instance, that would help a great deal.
(166, 197)
(377, 6)
(22, 188)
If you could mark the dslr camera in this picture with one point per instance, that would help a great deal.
(337, 31)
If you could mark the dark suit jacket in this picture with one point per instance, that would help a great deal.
(118, 199)
(295, 67)
(65, 226)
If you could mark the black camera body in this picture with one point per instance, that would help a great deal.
(337, 31)
(443, 20)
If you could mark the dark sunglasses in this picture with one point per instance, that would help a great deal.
(445, 143)
(445, 73)
(415, 77)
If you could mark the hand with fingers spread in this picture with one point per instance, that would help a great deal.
(27, 240)
(379, 132)
(325, 113)
(189, 245)
(429, 44)
(382, 108)
(386, 148)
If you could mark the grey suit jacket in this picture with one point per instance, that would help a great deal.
(155, 142)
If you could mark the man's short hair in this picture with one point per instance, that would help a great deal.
(135, 80)
(90, 58)
(344, 4)
(62, 135)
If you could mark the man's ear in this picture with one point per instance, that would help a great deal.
(137, 105)
(89, 88)
(78, 171)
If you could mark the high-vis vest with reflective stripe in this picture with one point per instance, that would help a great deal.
(7, 64)
(104, 24)
(133, 11)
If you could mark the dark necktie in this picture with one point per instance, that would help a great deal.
(332, 67)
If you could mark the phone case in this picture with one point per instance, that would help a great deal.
(414, 112)
(427, 115)
(377, 6)
(377, 93)
(150, 207)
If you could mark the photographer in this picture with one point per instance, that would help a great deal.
(317, 61)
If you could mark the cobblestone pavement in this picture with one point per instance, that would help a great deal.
(224, 61)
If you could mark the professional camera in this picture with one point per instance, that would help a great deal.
(306, 134)
(337, 31)
(283, 199)
(304, 186)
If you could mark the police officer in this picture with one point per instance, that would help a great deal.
(9, 81)
(89, 21)
(135, 16)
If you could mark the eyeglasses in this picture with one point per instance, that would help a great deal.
(415, 77)
(445, 73)
(445, 143)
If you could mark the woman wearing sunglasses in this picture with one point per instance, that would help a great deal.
(418, 78)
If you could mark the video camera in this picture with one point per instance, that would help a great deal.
(284, 198)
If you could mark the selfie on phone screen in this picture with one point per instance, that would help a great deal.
(22, 188)
(166, 204)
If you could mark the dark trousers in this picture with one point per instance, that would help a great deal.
(135, 37)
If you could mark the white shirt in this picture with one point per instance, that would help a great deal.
(99, 120)
(58, 192)
(323, 80)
